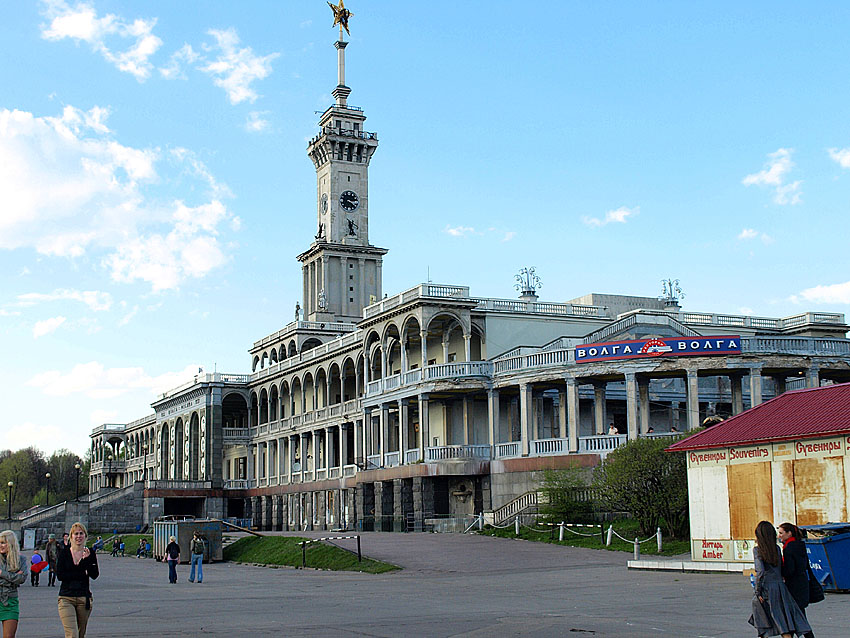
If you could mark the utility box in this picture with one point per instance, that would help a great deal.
(828, 548)
(183, 528)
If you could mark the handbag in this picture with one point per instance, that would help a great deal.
(815, 588)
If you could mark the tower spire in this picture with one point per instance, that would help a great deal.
(341, 16)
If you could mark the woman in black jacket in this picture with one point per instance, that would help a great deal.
(795, 564)
(75, 565)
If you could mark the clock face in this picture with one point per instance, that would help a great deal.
(349, 201)
(324, 204)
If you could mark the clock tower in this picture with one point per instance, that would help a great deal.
(341, 269)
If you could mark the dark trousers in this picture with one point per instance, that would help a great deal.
(172, 571)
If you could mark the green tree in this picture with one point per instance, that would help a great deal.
(649, 483)
(566, 496)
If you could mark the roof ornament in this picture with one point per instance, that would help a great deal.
(341, 16)
(671, 292)
(528, 283)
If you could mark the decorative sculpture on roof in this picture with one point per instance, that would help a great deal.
(323, 300)
(527, 281)
(341, 16)
(671, 291)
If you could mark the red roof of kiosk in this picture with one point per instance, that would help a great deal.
(799, 414)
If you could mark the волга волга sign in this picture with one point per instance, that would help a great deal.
(649, 348)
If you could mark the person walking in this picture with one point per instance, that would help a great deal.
(52, 553)
(795, 566)
(774, 610)
(74, 567)
(197, 551)
(172, 557)
(13, 572)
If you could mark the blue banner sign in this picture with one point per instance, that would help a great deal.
(667, 347)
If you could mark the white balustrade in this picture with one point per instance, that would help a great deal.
(445, 452)
(391, 459)
(507, 450)
(543, 447)
(321, 473)
(412, 456)
(333, 472)
(601, 443)
(373, 461)
(349, 470)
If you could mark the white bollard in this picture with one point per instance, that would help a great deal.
(610, 535)
(516, 525)
(561, 532)
(658, 539)
(637, 549)
(481, 521)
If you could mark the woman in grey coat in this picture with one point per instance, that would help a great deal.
(775, 612)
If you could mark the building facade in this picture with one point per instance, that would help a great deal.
(393, 412)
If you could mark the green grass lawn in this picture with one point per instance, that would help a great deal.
(285, 550)
(625, 527)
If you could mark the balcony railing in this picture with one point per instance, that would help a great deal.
(412, 456)
(434, 372)
(546, 447)
(349, 470)
(391, 459)
(447, 452)
(603, 443)
(508, 450)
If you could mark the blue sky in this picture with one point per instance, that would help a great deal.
(156, 189)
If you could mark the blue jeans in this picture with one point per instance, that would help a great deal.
(172, 571)
(197, 559)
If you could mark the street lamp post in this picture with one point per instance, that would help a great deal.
(10, 484)
(109, 471)
(77, 468)
(47, 476)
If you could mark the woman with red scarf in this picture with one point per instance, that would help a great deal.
(795, 563)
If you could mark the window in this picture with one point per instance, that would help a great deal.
(432, 362)
(452, 357)
(351, 277)
(351, 299)
(351, 289)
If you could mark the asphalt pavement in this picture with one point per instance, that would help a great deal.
(451, 585)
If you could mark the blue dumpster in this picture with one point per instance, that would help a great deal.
(828, 547)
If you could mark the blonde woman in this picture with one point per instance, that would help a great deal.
(13, 572)
(75, 566)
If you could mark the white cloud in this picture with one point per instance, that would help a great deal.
(80, 22)
(71, 190)
(752, 233)
(744, 310)
(235, 69)
(95, 381)
(779, 164)
(174, 69)
(52, 437)
(9, 313)
(619, 216)
(94, 299)
(459, 231)
(841, 155)
(47, 326)
(509, 236)
(830, 293)
(256, 122)
(129, 316)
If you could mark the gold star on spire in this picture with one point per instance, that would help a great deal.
(341, 16)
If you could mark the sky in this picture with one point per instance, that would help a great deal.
(155, 187)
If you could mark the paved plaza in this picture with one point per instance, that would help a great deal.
(452, 585)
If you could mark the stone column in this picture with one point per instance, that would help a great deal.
(445, 351)
(343, 280)
(736, 382)
(249, 464)
(384, 416)
(403, 348)
(303, 444)
(779, 384)
(643, 395)
(573, 413)
(562, 414)
(693, 398)
(493, 416)
(467, 421)
(343, 447)
(329, 446)
(424, 429)
(423, 336)
(813, 377)
(526, 406)
(755, 386)
(403, 427)
(599, 406)
(467, 346)
(362, 282)
(367, 433)
(631, 406)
